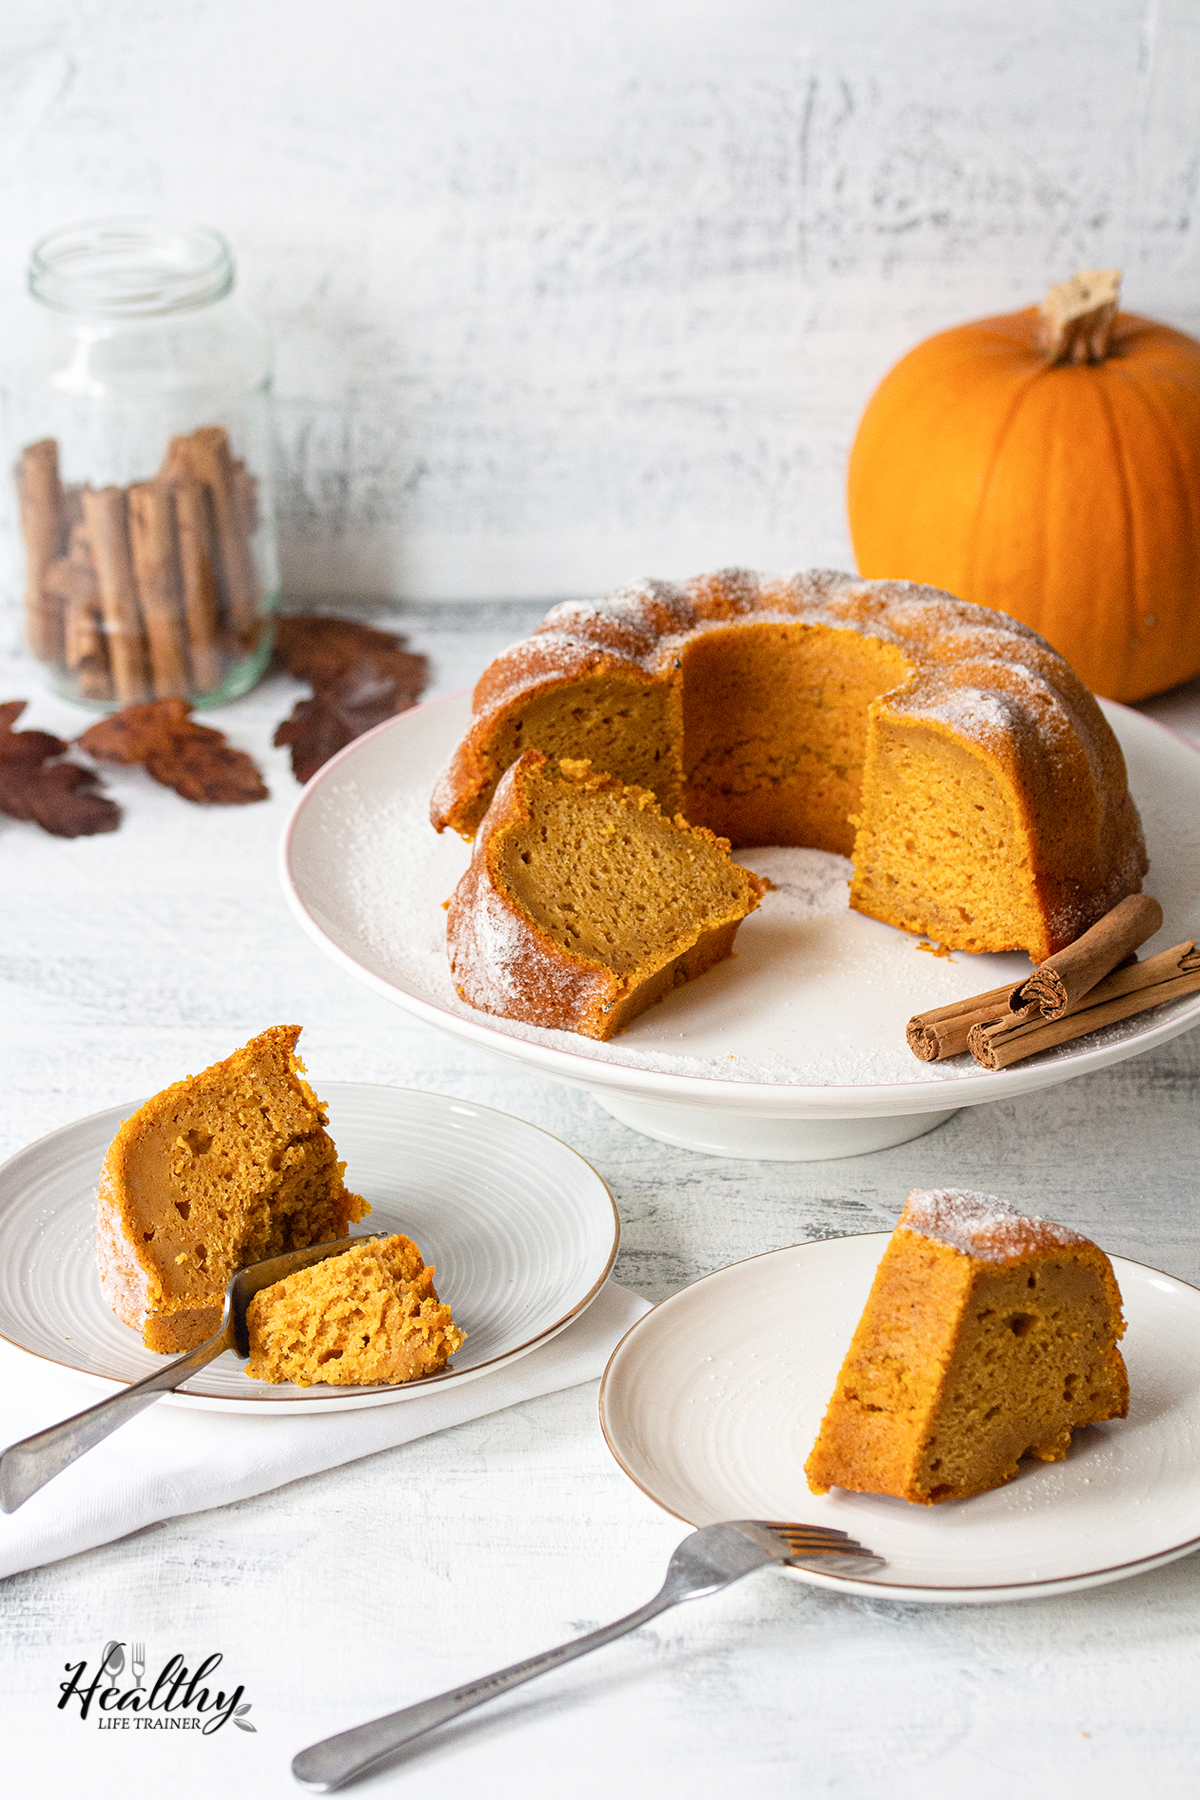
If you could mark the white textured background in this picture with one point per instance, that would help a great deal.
(567, 292)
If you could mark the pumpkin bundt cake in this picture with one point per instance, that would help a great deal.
(986, 1335)
(368, 1315)
(945, 747)
(584, 903)
(223, 1169)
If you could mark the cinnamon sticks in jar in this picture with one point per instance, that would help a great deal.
(1094, 982)
(145, 592)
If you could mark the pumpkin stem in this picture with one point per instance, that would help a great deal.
(1077, 317)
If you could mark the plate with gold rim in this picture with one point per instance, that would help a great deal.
(521, 1230)
(712, 1402)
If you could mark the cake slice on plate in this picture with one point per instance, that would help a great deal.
(584, 902)
(987, 1334)
(370, 1315)
(218, 1171)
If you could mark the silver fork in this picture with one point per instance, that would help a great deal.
(137, 1662)
(704, 1563)
(30, 1464)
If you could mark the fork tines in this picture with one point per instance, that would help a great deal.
(816, 1540)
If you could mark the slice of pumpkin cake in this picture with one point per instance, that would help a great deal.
(987, 1335)
(370, 1315)
(584, 902)
(223, 1169)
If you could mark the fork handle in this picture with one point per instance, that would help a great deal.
(334, 1761)
(28, 1465)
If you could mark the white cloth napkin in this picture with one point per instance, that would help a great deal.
(172, 1460)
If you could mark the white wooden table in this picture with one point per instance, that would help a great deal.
(131, 959)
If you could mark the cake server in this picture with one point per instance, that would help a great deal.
(704, 1563)
(28, 1465)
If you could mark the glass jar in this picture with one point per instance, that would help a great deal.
(138, 426)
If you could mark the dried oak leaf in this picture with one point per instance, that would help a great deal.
(130, 735)
(360, 676)
(59, 796)
(315, 648)
(193, 759)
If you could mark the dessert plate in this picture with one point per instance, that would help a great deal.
(712, 1402)
(792, 1049)
(521, 1230)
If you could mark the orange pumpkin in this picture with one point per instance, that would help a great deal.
(1047, 463)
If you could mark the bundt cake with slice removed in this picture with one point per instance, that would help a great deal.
(223, 1169)
(987, 1335)
(584, 903)
(367, 1316)
(946, 748)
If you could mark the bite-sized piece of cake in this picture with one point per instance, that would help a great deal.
(584, 903)
(223, 1169)
(946, 748)
(987, 1334)
(367, 1316)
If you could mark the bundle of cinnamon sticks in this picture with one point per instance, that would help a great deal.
(147, 591)
(1095, 981)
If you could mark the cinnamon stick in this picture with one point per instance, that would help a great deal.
(42, 527)
(943, 1031)
(1122, 995)
(1054, 987)
(201, 603)
(1058, 983)
(207, 456)
(152, 541)
(104, 514)
(73, 579)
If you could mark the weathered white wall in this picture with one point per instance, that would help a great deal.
(565, 291)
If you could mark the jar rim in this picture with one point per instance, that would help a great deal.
(131, 267)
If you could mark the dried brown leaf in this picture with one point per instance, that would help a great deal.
(360, 676)
(130, 735)
(195, 760)
(59, 796)
(315, 648)
(338, 712)
(202, 767)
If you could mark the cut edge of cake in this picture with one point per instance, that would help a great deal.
(988, 1334)
(146, 1171)
(507, 961)
(368, 1316)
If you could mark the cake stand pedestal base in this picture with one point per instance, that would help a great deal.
(755, 1138)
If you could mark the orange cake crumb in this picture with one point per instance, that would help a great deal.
(584, 903)
(987, 1335)
(223, 1169)
(944, 747)
(369, 1315)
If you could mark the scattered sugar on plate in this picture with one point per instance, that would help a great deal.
(815, 995)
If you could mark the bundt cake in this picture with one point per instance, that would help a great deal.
(584, 903)
(986, 1335)
(223, 1169)
(946, 748)
(369, 1315)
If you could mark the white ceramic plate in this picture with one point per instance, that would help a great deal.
(793, 1047)
(521, 1230)
(712, 1402)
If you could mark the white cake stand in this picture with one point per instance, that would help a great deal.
(794, 1049)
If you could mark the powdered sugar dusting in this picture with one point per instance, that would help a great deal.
(494, 949)
(777, 1012)
(974, 712)
(980, 1225)
(814, 996)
